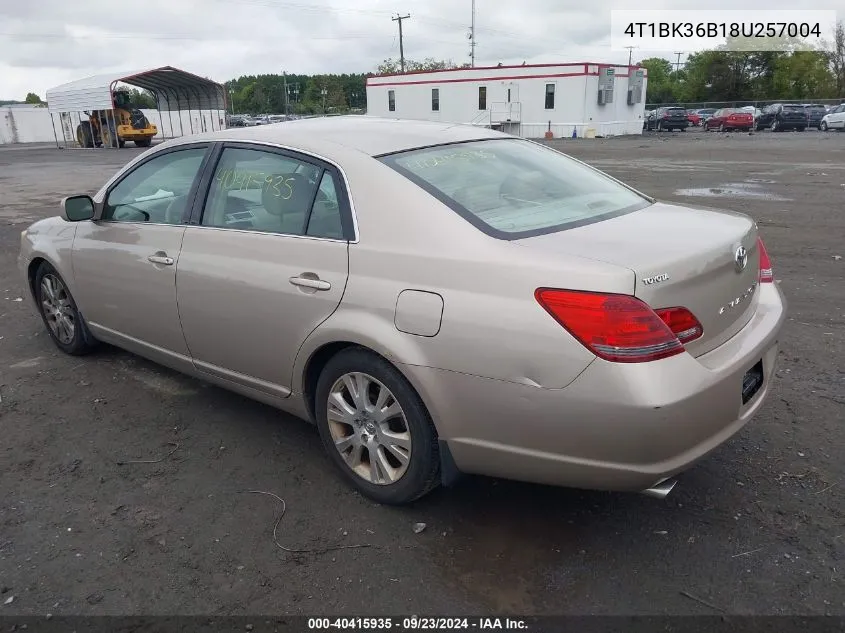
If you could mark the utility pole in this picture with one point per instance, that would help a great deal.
(472, 37)
(399, 19)
(285, 85)
(630, 53)
(678, 63)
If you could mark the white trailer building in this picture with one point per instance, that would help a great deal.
(529, 100)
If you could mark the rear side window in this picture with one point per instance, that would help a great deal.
(511, 188)
(261, 191)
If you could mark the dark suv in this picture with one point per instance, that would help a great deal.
(782, 116)
(667, 119)
(815, 112)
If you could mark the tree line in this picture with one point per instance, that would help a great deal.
(314, 94)
(732, 74)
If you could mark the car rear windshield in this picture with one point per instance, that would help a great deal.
(676, 110)
(793, 108)
(512, 188)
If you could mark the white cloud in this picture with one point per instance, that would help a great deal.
(44, 43)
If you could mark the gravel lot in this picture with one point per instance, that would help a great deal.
(758, 528)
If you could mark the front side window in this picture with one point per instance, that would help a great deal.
(512, 188)
(157, 190)
(550, 96)
(435, 99)
(261, 191)
(482, 98)
(391, 100)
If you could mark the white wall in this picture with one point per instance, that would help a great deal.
(33, 125)
(576, 99)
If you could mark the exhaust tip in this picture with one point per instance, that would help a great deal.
(661, 490)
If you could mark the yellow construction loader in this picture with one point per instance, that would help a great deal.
(113, 128)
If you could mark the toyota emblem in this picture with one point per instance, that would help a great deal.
(741, 259)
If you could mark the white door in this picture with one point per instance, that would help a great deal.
(837, 118)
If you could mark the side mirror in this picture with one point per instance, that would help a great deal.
(78, 208)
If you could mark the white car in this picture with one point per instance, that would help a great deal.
(833, 120)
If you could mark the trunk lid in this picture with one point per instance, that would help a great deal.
(681, 257)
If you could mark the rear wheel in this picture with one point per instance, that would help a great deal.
(775, 127)
(721, 127)
(376, 429)
(84, 134)
(61, 316)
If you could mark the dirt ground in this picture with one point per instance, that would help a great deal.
(757, 528)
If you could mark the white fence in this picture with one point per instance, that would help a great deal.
(19, 124)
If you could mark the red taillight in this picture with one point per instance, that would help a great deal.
(682, 322)
(766, 274)
(618, 328)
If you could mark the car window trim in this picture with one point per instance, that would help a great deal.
(348, 219)
(192, 192)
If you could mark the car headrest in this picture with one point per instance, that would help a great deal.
(286, 193)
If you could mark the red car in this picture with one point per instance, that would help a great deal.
(730, 119)
(693, 117)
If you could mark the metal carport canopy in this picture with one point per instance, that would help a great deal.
(173, 89)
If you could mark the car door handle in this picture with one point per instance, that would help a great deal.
(308, 282)
(160, 259)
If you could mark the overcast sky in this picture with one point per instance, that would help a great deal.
(44, 43)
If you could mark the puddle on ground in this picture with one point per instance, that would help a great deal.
(732, 190)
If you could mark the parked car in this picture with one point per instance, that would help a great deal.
(672, 118)
(815, 113)
(833, 120)
(705, 113)
(752, 110)
(693, 117)
(550, 337)
(728, 119)
(782, 116)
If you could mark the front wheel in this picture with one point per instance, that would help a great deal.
(823, 126)
(60, 314)
(143, 142)
(775, 126)
(376, 428)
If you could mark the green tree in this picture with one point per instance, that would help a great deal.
(33, 98)
(659, 87)
(392, 66)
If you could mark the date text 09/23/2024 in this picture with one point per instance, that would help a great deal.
(415, 623)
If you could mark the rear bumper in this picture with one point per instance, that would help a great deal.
(617, 426)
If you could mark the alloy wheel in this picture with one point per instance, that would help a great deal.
(369, 428)
(58, 309)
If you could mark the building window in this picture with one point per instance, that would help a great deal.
(550, 96)
(435, 99)
(482, 97)
(391, 100)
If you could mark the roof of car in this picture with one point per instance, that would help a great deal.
(371, 135)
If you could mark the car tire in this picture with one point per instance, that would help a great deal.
(823, 126)
(61, 316)
(660, 126)
(359, 428)
(721, 127)
(775, 127)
